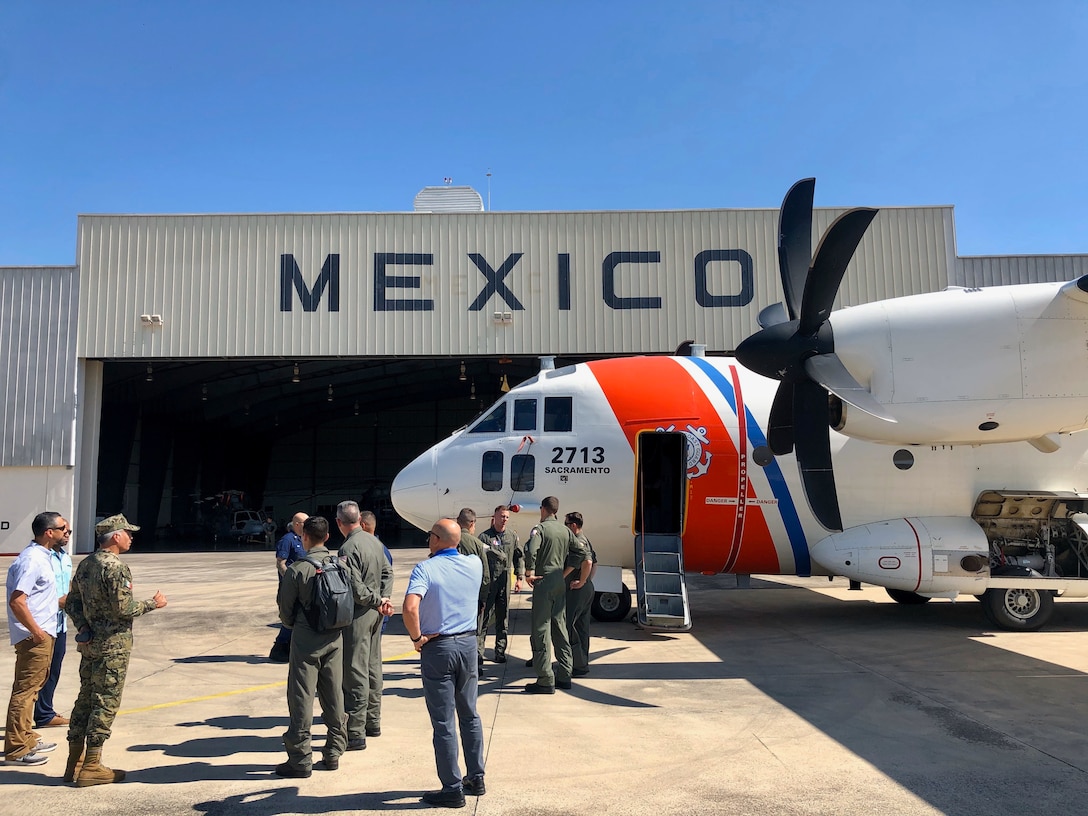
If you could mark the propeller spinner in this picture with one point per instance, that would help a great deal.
(797, 346)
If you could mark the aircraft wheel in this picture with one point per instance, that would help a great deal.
(610, 607)
(1018, 610)
(901, 596)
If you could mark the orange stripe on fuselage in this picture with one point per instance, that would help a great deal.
(651, 393)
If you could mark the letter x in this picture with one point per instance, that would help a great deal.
(495, 286)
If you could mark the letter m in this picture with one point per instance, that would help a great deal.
(290, 275)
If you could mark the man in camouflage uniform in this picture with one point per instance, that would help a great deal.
(551, 549)
(504, 556)
(101, 607)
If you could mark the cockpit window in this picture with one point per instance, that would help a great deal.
(558, 413)
(494, 422)
(525, 415)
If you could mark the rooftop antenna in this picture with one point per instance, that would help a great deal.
(489, 189)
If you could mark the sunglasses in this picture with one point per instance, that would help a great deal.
(62, 529)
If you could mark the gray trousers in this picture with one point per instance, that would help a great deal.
(316, 664)
(549, 629)
(363, 673)
(450, 677)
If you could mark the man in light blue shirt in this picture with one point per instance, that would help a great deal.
(439, 612)
(32, 622)
(44, 714)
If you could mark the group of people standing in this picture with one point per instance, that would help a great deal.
(41, 591)
(343, 667)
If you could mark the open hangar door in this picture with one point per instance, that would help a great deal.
(187, 446)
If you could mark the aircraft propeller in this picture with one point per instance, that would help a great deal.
(796, 345)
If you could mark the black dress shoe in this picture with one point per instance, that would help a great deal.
(474, 787)
(357, 744)
(373, 732)
(563, 684)
(444, 798)
(328, 764)
(539, 688)
(500, 658)
(529, 663)
(579, 673)
(290, 771)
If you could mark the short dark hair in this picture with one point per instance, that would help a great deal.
(551, 504)
(316, 528)
(43, 521)
(574, 518)
(367, 517)
(466, 516)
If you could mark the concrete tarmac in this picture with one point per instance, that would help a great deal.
(794, 697)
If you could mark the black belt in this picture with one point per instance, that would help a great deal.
(456, 635)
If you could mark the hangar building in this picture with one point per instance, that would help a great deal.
(192, 365)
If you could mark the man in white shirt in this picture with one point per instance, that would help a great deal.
(32, 622)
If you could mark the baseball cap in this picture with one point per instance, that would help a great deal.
(113, 524)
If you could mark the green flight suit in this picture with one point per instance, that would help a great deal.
(371, 580)
(316, 664)
(550, 545)
(579, 604)
(470, 545)
(505, 556)
(100, 599)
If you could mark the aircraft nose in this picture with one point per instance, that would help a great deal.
(414, 491)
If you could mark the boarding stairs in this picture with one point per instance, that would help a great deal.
(660, 505)
(661, 590)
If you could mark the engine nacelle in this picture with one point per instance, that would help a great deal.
(969, 366)
(931, 555)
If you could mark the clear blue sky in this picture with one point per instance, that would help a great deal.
(334, 106)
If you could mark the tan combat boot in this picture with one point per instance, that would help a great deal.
(75, 754)
(94, 772)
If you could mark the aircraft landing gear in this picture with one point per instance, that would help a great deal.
(901, 596)
(1018, 610)
(611, 607)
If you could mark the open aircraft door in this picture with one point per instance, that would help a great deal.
(661, 495)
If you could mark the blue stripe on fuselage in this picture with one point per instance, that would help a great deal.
(786, 507)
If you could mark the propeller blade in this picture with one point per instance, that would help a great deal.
(780, 421)
(828, 371)
(814, 453)
(795, 242)
(773, 315)
(832, 257)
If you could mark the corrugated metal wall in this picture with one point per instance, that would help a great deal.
(1003, 270)
(38, 353)
(216, 280)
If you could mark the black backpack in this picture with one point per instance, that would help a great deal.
(333, 605)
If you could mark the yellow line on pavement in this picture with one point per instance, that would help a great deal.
(249, 690)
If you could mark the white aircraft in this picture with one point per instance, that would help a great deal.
(950, 419)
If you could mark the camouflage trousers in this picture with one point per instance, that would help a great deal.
(101, 681)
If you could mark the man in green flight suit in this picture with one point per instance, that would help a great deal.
(101, 607)
(550, 549)
(315, 665)
(372, 586)
(470, 545)
(504, 555)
